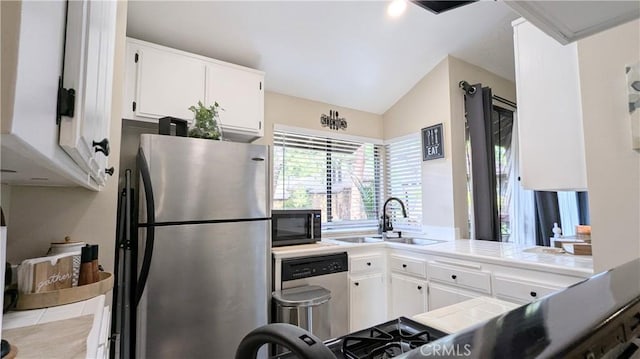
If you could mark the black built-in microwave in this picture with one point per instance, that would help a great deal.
(295, 226)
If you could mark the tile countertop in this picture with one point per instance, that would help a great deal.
(463, 315)
(513, 255)
(95, 306)
(484, 251)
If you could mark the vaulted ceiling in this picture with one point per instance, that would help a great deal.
(346, 53)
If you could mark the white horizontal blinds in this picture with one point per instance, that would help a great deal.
(340, 177)
(404, 180)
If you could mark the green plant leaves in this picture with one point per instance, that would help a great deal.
(206, 124)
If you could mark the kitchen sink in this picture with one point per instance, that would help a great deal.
(359, 239)
(378, 238)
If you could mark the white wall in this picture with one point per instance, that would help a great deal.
(613, 168)
(40, 215)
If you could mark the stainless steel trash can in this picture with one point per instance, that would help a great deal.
(306, 307)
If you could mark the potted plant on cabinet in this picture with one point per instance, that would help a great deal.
(206, 121)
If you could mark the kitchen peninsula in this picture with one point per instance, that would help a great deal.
(399, 279)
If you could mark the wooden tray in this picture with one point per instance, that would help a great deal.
(578, 249)
(65, 296)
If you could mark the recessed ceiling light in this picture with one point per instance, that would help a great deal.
(396, 8)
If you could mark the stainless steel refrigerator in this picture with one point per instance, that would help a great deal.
(203, 246)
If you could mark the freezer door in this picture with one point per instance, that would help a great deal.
(195, 179)
(208, 287)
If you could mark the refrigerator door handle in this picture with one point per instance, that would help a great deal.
(150, 225)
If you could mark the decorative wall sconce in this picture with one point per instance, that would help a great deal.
(333, 121)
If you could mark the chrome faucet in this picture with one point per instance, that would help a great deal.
(386, 221)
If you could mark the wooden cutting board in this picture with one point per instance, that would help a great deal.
(59, 339)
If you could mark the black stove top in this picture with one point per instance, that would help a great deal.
(386, 340)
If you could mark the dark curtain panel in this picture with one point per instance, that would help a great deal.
(478, 109)
(583, 207)
(547, 212)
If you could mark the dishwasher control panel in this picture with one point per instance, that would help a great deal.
(305, 267)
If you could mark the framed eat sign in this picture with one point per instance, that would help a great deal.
(432, 144)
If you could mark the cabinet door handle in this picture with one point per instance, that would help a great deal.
(109, 171)
(533, 294)
(419, 287)
(453, 276)
(369, 264)
(404, 266)
(356, 283)
(102, 146)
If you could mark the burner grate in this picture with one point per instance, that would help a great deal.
(384, 341)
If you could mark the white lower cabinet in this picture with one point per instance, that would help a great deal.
(394, 283)
(408, 296)
(520, 290)
(367, 304)
(444, 295)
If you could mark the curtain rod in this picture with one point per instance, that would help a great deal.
(470, 90)
(505, 101)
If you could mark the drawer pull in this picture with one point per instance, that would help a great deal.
(453, 276)
(356, 283)
(533, 294)
(404, 266)
(419, 287)
(369, 264)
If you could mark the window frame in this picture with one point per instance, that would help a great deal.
(416, 151)
(378, 174)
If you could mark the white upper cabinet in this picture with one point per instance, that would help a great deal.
(241, 98)
(36, 150)
(549, 111)
(88, 70)
(168, 83)
(162, 81)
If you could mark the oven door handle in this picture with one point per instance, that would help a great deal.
(302, 343)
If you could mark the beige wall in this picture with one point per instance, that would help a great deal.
(435, 99)
(613, 168)
(11, 17)
(298, 112)
(39, 215)
(426, 104)
(458, 71)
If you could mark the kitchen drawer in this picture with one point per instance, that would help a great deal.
(412, 266)
(458, 276)
(366, 264)
(521, 290)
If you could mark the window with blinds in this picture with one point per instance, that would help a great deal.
(404, 181)
(341, 177)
